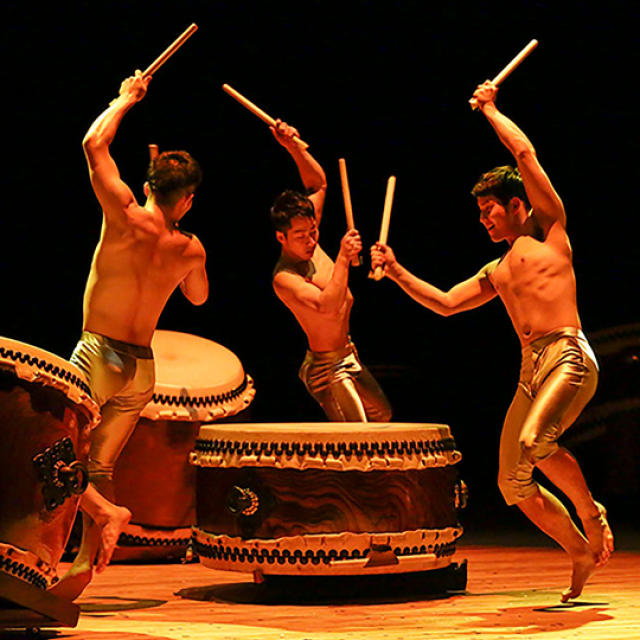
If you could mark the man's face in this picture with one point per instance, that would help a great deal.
(496, 218)
(301, 240)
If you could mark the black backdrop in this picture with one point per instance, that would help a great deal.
(384, 84)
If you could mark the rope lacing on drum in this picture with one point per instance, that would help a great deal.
(43, 365)
(130, 540)
(206, 401)
(326, 449)
(22, 571)
(275, 556)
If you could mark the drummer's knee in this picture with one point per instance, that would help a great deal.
(516, 484)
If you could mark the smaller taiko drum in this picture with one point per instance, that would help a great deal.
(197, 381)
(327, 499)
(46, 415)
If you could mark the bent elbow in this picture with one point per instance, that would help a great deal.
(88, 142)
(525, 152)
(199, 298)
(91, 145)
(448, 307)
(199, 301)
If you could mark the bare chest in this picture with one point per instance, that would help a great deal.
(529, 264)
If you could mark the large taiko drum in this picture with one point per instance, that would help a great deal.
(326, 499)
(46, 415)
(197, 381)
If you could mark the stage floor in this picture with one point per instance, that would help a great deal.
(512, 592)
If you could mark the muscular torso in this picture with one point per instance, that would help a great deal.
(135, 268)
(325, 331)
(536, 282)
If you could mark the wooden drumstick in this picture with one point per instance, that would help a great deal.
(506, 72)
(154, 152)
(356, 261)
(168, 52)
(258, 112)
(378, 273)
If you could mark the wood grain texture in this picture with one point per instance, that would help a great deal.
(300, 502)
(512, 593)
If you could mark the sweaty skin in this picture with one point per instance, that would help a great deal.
(315, 289)
(536, 282)
(141, 258)
(309, 283)
(300, 285)
(142, 255)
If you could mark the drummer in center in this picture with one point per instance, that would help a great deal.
(315, 289)
(141, 258)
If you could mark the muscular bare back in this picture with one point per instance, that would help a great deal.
(142, 256)
(137, 265)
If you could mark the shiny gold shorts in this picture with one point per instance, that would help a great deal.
(121, 377)
(558, 377)
(345, 389)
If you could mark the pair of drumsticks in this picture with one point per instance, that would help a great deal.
(391, 184)
(378, 273)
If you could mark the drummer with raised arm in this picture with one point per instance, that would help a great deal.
(141, 258)
(536, 282)
(315, 289)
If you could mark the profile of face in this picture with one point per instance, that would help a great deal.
(500, 222)
(299, 241)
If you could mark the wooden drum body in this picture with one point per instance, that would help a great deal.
(46, 415)
(197, 380)
(326, 499)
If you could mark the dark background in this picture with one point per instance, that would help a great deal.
(385, 85)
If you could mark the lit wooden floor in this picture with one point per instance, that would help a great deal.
(511, 593)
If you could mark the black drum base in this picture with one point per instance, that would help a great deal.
(353, 589)
(452, 578)
(23, 606)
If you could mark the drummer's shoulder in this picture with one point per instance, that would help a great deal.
(192, 238)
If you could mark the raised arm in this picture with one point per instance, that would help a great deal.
(469, 294)
(312, 174)
(195, 285)
(295, 291)
(547, 206)
(112, 193)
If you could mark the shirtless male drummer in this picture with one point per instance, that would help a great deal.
(316, 291)
(536, 282)
(141, 258)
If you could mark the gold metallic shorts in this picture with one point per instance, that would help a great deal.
(345, 389)
(558, 377)
(121, 377)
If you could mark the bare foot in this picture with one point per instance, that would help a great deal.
(599, 534)
(74, 582)
(583, 567)
(111, 524)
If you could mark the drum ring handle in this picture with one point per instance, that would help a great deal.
(242, 501)
(461, 494)
(75, 476)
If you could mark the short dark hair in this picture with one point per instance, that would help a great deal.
(172, 173)
(289, 205)
(503, 183)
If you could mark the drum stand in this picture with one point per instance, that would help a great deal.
(24, 606)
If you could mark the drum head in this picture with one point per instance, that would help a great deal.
(196, 379)
(39, 366)
(343, 446)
